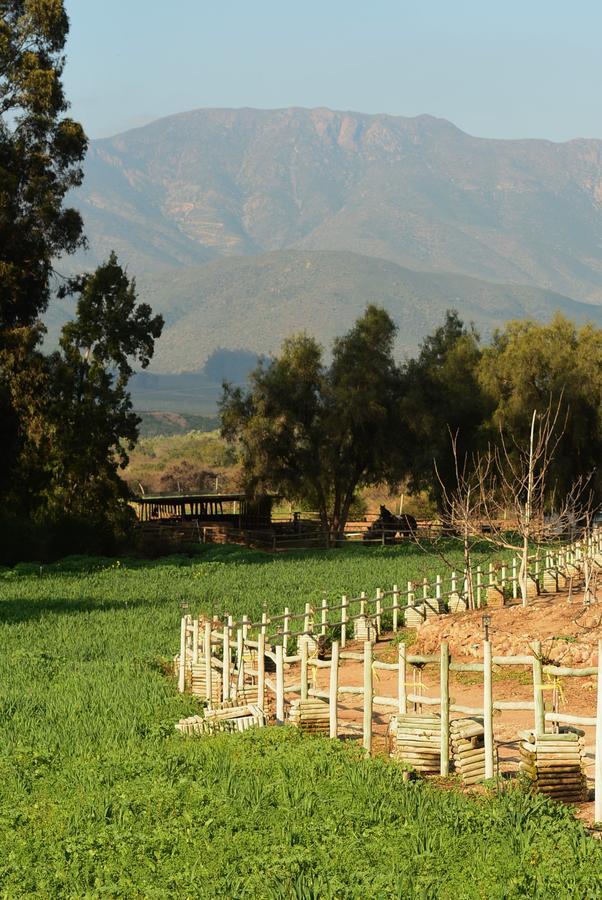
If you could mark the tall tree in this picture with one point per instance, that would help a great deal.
(314, 432)
(91, 421)
(41, 151)
(530, 365)
(442, 396)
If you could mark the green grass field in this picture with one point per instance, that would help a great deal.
(100, 798)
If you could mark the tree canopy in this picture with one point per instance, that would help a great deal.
(317, 432)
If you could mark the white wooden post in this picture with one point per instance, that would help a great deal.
(598, 763)
(286, 627)
(324, 617)
(207, 653)
(240, 663)
(182, 669)
(368, 696)
(261, 670)
(479, 586)
(540, 715)
(488, 709)
(344, 619)
(280, 684)
(402, 679)
(303, 667)
(195, 640)
(333, 693)
(307, 618)
(395, 607)
(379, 605)
(227, 659)
(514, 578)
(444, 694)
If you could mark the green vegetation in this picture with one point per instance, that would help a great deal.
(166, 424)
(99, 797)
(189, 461)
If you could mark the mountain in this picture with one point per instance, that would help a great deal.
(252, 303)
(213, 184)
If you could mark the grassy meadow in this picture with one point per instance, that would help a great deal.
(100, 798)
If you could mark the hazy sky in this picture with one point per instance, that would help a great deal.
(496, 68)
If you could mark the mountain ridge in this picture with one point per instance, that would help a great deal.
(419, 191)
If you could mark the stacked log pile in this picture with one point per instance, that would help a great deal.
(555, 763)
(415, 739)
(364, 628)
(311, 716)
(423, 611)
(227, 719)
(468, 749)
(198, 681)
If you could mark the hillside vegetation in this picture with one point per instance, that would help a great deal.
(256, 302)
(416, 191)
(99, 796)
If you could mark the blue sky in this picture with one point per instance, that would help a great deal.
(496, 68)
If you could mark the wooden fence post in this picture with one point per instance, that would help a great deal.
(444, 694)
(395, 607)
(261, 670)
(307, 618)
(240, 662)
(479, 587)
(324, 617)
(195, 640)
(368, 696)
(333, 693)
(182, 669)
(379, 604)
(598, 763)
(402, 693)
(540, 716)
(286, 627)
(304, 667)
(227, 659)
(280, 684)
(344, 619)
(207, 653)
(488, 709)
(514, 579)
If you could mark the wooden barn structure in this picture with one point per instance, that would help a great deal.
(235, 510)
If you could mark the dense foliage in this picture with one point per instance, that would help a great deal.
(65, 419)
(314, 432)
(99, 797)
(317, 433)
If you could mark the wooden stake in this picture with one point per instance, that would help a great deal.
(227, 659)
(182, 670)
(324, 621)
(303, 667)
(540, 714)
(598, 764)
(488, 708)
(261, 670)
(444, 694)
(344, 619)
(207, 653)
(368, 696)
(280, 684)
(195, 640)
(395, 607)
(401, 679)
(379, 604)
(286, 627)
(334, 689)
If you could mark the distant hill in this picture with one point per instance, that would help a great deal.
(252, 303)
(166, 424)
(417, 191)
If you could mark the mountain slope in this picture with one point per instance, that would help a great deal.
(252, 303)
(419, 192)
